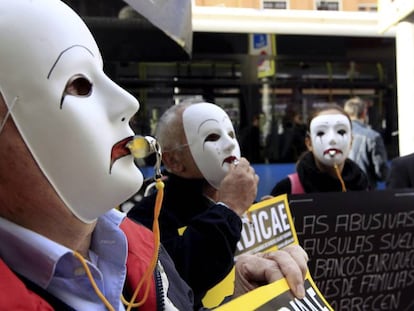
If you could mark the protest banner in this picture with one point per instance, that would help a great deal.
(277, 296)
(361, 247)
(267, 226)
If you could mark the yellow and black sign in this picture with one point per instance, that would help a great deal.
(268, 226)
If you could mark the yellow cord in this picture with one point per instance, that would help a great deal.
(148, 273)
(338, 173)
(95, 287)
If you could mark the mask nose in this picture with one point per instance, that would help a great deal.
(230, 143)
(123, 105)
(332, 140)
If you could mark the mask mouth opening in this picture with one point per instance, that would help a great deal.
(332, 152)
(139, 147)
(119, 150)
(230, 160)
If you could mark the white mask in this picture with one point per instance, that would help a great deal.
(43, 45)
(212, 140)
(331, 138)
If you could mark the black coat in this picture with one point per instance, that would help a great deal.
(401, 174)
(313, 180)
(204, 253)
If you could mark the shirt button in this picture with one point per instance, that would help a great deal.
(79, 271)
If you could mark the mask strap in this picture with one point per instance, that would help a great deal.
(8, 113)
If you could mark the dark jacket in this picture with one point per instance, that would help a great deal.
(368, 151)
(250, 144)
(401, 173)
(313, 180)
(204, 253)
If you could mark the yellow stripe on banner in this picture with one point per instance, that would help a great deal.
(216, 295)
(257, 297)
(278, 296)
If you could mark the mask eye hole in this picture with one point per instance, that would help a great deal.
(78, 85)
(212, 137)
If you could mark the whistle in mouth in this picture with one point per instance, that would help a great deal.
(143, 146)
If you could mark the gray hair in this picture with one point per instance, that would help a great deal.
(355, 107)
(169, 130)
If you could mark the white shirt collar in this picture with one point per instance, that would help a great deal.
(36, 257)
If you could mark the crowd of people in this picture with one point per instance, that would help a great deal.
(361, 162)
(66, 165)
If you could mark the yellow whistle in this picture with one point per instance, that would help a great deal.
(140, 147)
(143, 146)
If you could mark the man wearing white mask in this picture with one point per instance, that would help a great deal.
(209, 188)
(64, 165)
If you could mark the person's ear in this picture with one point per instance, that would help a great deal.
(172, 162)
(308, 143)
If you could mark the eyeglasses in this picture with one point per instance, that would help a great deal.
(177, 147)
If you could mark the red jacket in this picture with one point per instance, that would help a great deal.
(15, 296)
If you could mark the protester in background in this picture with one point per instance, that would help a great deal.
(401, 173)
(209, 188)
(286, 141)
(325, 167)
(64, 246)
(368, 149)
(250, 145)
(292, 140)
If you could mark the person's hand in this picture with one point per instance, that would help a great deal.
(259, 269)
(238, 188)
